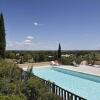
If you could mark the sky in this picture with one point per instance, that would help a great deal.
(42, 24)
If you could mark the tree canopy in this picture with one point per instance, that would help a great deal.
(2, 37)
(59, 52)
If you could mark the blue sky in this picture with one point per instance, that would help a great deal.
(42, 24)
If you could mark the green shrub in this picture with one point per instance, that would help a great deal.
(12, 87)
(49, 96)
(12, 97)
(10, 71)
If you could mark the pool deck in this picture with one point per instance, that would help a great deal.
(28, 65)
(94, 70)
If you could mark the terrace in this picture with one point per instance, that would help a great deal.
(94, 70)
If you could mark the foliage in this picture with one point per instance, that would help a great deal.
(10, 71)
(79, 57)
(49, 96)
(31, 56)
(92, 58)
(12, 97)
(2, 37)
(42, 56)
(14, 87)
(59, 52)
(68, 60)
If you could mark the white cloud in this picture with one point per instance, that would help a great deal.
(20, 45)
(30, 45)
(37, 24)
(27, 41)
(30, 37)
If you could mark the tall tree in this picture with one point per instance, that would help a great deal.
(2, 37)
(59, 52)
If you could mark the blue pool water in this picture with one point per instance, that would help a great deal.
(73, 82)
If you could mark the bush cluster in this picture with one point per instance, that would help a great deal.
(13, 87)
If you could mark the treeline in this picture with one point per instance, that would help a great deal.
(90, 58)
(32, 56)
(43, 56)
(80, 51)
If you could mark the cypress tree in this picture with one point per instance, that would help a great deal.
(59, 52)
(2, 37)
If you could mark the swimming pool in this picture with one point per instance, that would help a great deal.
(84, 85)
